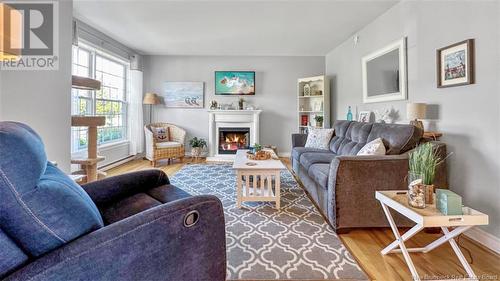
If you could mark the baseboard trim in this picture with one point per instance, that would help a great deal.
(120, 162)
(284, 154)
(484, 238)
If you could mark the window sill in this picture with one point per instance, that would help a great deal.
(104, 147)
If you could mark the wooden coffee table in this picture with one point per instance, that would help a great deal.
(257, 180)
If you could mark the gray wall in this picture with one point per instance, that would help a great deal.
(467, 115)
(276, 90)
(42, 99)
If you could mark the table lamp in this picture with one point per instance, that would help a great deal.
(11, 42)
(151, 99)
(415, 111)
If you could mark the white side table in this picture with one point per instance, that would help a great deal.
(428, 217)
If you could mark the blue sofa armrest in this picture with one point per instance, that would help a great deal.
(113, 188)
(299, 140)
(152, 245)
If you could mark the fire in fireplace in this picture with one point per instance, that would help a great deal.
(232, 139)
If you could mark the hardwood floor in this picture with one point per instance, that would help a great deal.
(365, 245)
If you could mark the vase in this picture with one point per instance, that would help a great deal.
(416, 191)
(319, 124)
(196, 152)
(429, 194)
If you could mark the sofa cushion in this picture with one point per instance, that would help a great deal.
(319, 138)
(41, 208)
(319, 173)
(349, 137)
(375, 147)
(298, 151)
(12, 256)
(398, 138)
(309, 158)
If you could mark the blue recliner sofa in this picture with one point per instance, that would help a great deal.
(135, 226)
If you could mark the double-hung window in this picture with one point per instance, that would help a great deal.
(110, 101)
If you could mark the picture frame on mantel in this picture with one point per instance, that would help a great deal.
(455, 64)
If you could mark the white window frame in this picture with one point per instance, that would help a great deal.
(93, 53)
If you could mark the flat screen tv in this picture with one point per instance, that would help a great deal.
(235, 82)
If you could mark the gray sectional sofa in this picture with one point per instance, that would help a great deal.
(343, 185)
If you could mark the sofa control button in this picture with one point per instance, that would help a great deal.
(191, 218)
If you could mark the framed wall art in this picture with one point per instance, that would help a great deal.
(455, 64)
(183, 94)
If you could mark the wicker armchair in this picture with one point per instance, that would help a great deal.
(174, 148)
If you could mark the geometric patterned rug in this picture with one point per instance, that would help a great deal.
(294, 243)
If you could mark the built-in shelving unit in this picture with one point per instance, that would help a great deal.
(314, 101)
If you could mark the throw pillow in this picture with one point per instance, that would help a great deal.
(375, 147)
(160, 133)
(319, 138)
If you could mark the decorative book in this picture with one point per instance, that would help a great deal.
(448, 202)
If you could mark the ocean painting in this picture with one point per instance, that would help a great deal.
(235, 83)
(183, 94)
(454, 65)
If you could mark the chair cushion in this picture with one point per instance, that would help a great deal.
(139, 202)
(398, 138)
(41, 208)
(319, 173)
(298, 151)
(12, 256)
(349, 137)
(309, 158)
(168, 144)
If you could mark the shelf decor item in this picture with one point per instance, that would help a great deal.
(213, 105)
(415, 111)
(307, 90)
(364, 116)
(423, 161)
(319, 121)
(448, 202)
(241, 102)
(455, 64)
(197, 145)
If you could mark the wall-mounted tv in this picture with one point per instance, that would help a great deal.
(235, 82)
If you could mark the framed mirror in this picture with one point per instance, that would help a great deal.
(384, 73)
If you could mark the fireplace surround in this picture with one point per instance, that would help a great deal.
(230, 130)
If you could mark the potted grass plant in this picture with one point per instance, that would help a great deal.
(422, 171)
(197, 145)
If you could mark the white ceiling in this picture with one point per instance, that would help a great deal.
(231, 27)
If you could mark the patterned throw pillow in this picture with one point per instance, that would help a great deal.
(319, 138)
(375, 147)
(160, 133)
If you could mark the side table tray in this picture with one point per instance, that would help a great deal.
(428, 217)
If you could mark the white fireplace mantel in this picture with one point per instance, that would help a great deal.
(226, 119)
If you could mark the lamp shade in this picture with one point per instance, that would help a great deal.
(11, 23)
(416, 110)
(150, 98)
